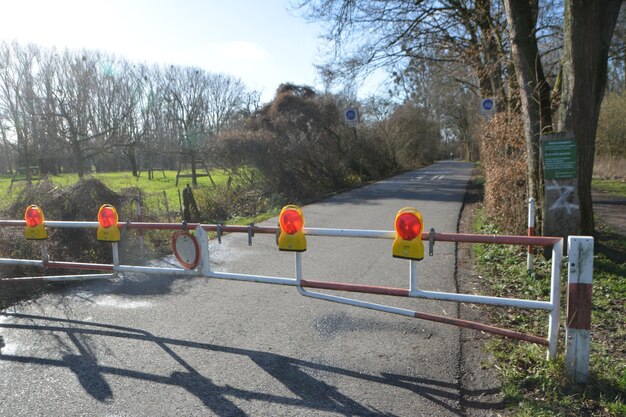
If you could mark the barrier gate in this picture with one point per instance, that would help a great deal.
(192, 252)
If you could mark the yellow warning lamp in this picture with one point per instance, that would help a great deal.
(107, 230)
(408, 243)
(35, 230)
(291, 222)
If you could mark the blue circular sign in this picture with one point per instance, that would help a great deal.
(350, 114)
(488, 104)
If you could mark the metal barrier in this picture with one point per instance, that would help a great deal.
(202, 269)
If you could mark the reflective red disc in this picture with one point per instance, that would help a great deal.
(107, 217)
(408, 226)
(33, 216)
(291, 221)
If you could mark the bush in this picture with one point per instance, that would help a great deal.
(503, 157)
(611, 135)
(79, 202)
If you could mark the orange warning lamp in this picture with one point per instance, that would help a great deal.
(291, 223)
(408, 243)
(107, 230)
(35, 230)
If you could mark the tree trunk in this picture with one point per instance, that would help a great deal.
(132, 158)
(589, 28)
(194, 179)
(490, 69)
(534, 89)
(77, 153)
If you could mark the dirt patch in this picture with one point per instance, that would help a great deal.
(480, 383)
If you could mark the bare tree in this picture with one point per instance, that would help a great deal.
(397, 34)
(534, 88)
(83, 110)
(16, 103)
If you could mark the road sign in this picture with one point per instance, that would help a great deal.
(351, 117)
(186, 249)
(487, 106)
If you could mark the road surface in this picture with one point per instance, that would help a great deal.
(159, 346)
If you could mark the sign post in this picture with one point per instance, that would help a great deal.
(561, 205)
(487, 107)
(351, 117)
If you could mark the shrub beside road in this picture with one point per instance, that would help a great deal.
(532, 386)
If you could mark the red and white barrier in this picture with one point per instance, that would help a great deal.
(579, 292)
(575, 314)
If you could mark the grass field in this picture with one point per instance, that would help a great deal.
(117, 181)
(614, 187)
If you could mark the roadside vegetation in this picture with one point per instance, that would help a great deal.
(531, 385)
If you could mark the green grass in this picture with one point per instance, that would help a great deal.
(117, 181)
(533, 386)
(615, 187)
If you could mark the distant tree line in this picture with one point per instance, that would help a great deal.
(75, 111)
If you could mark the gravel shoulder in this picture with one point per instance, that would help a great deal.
(480, 382)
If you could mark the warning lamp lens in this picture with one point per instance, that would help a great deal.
(408, 226)
(107, 216)
(291, 221)
(33, 216)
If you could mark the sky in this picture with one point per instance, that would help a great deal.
(260, 42)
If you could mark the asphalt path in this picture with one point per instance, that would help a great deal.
(160, 346)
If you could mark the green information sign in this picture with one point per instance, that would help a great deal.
(559, 159)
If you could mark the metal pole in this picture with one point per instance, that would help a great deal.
(555, 299)
(531, 232)
(412, 277)
(203, 239)
(42, 248)
(116, 253)
(139, 219)
(579, 296)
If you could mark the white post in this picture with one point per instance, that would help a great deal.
(203, 239)
(555, 300)
(412, 277)
(44, 253)
(531, 232)
(116, 253)
(579, 292)
(298, 268)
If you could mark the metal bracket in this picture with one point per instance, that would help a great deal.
(220, 231)
(250, 233)
(431, 241)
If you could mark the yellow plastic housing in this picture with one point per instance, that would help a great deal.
(38, 232)
(409, 249)
(291, 242)
(108, 234)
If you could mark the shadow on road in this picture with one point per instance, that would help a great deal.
(295, 374)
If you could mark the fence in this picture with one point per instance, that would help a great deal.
(579, 269)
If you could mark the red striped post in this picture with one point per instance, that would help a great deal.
(579, 291)
(531, 232)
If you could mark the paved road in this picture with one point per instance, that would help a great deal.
(162, 346)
